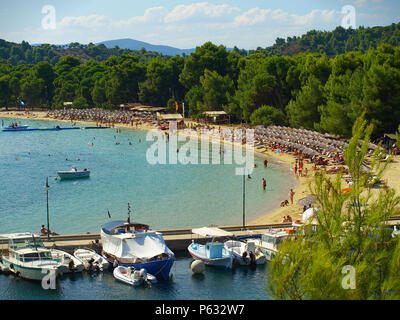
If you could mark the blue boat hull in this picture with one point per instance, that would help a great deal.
(159, 268)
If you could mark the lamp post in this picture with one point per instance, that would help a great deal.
(47, 187)
(244, 202)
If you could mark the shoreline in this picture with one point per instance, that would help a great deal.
(273, 215)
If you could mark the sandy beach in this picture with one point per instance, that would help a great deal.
(391, 176)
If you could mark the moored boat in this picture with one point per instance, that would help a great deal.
(92, 261)
(70, 263)
(213, 253)
(245, 253)
(270, 242)
(132, 276)
(27, 257)
(133, 244)
(74, 174)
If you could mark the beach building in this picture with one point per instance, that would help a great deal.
(216, 117)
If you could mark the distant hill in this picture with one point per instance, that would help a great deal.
(132, 44)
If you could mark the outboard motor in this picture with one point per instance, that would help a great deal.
(143, 274)
(71, 265)
(252, 258)
(244, 256)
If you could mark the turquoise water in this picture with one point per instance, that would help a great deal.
(163, 196)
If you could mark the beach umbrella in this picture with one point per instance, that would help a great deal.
(306, 201)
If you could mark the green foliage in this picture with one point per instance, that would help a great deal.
(326, 90)
(351, 231)
(267, 115)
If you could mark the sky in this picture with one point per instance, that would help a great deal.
(185, 23)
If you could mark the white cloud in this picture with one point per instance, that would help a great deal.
(205, 9)
(261, 16)
(91, 21)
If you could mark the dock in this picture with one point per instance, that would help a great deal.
(177, 240)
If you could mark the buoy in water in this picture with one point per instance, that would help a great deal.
(198, 267)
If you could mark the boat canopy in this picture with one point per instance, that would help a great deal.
(142, 245)
(212, 232)
(109, 228)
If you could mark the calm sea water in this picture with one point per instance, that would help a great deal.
(163, 196)
(241, 283)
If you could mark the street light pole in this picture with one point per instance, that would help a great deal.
(48, 216)
(244, 202)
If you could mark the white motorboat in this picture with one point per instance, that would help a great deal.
(270, 242)
(213, 253)
(92, 261)
(245, 253)
(27, 257)
(133, 244)
(74, 173)
(70, 263)
(132, 276)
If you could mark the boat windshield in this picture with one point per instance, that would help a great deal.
(18, 244)
(34, 256)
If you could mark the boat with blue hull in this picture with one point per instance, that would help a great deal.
(213, 253)
(134, 245)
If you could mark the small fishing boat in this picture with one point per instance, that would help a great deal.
(245, 253)
(70, 263)
(74, 174)
(92, 261)
(132, 276)
(213, 253)
(27, 257)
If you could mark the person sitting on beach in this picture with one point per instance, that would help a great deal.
(289, 219)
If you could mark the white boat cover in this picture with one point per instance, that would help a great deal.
(213, 232)
(143, 245)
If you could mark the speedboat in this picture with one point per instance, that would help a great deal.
(213, 253)
(92, 261)
(245, 253)
(133, 244)
(270, 242)
(74, 174)
(27, 257)
(132, 276)
(70, 263)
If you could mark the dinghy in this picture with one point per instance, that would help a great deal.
(244, 253)
(92, 261)
(70, 263)
(132, 276)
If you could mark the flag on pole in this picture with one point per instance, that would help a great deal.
(176, 106)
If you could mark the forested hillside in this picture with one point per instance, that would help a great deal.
(24, 53)
(311, 90)
(335, 42)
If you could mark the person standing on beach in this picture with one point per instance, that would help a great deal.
(264, 184)
(295, 168)
(291, 194)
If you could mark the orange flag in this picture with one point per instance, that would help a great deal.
(177, 106)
